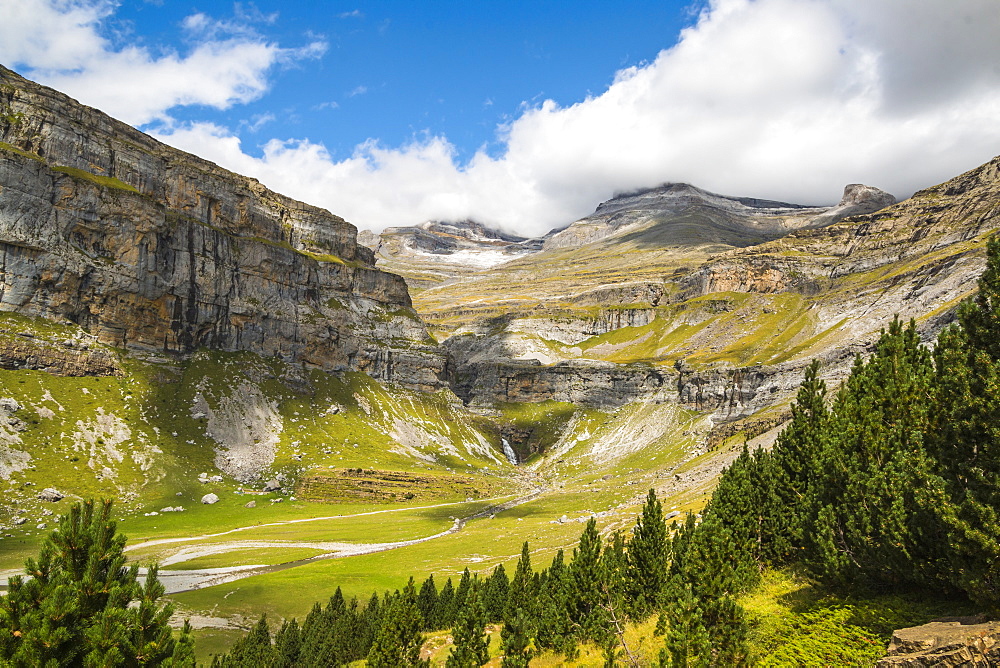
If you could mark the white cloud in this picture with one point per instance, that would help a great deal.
(61, 44)
(784, 99)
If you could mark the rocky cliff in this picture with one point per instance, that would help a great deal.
(158, 251)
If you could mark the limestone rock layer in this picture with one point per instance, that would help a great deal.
(153, 249)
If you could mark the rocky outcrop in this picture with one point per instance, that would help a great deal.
(684, 214)
(727, 394)
(941, 224)
(583, 382)
(63, 358)
(155, 250)
(959, 641)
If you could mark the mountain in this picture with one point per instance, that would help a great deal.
(435, 252)
(160, 252)
(682, 215)
(171, 331)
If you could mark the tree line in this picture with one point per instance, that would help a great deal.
(893, 482)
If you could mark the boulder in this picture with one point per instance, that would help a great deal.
(209, 499)
(955, 641)
(250, 504)
(272, 485)
(50, 494)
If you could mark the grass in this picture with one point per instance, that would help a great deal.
(25, 154)
(248, 557)
(102, 181)
(795, 622)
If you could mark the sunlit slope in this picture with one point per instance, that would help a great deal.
(157, 433)
(652, 292)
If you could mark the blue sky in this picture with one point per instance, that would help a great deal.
(393, 71)
(526, 115)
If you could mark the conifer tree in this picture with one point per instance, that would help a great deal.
(497, 594)
(787, 478)
(522, 586)
(287, 645)
(253, 649)
(471, 642)
(965, 438)
(868, 511)
(611, 638)
(397, 643)
(554, 629)
(516, 636)
(445, 611)
(586, 594)
(183, 656)
(81, 604)
(462, 591)
(427, 601)
(648, 556)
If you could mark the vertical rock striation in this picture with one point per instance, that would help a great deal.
(153, 249)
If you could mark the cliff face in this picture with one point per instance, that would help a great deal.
(156, 250)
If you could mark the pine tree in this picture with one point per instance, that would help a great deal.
(497, 594)
(791, 472)
(183, 656)
(869, 512)
(687, 642)
(287, 645)
(471, 642)
(586, 595)
(648, 556)
(445, 611)
(81, 604)
(397, 643)
(462, 591)
(252, 650)
(427, 601)
(965, 438)
(516, 636)
(522, 587)
(554, 629)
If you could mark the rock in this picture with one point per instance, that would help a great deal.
(158, 251)
(672, 514)
(278, 500)
(858, 199)
(957, 641)
(563, 519)
(8, 405)
(42, 525)
(19, 520)
(272, 485)
(50, 494)
(434, 251)
(209, 499)
(172, 509)
(250, 504)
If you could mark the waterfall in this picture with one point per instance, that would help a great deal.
(509, 452)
